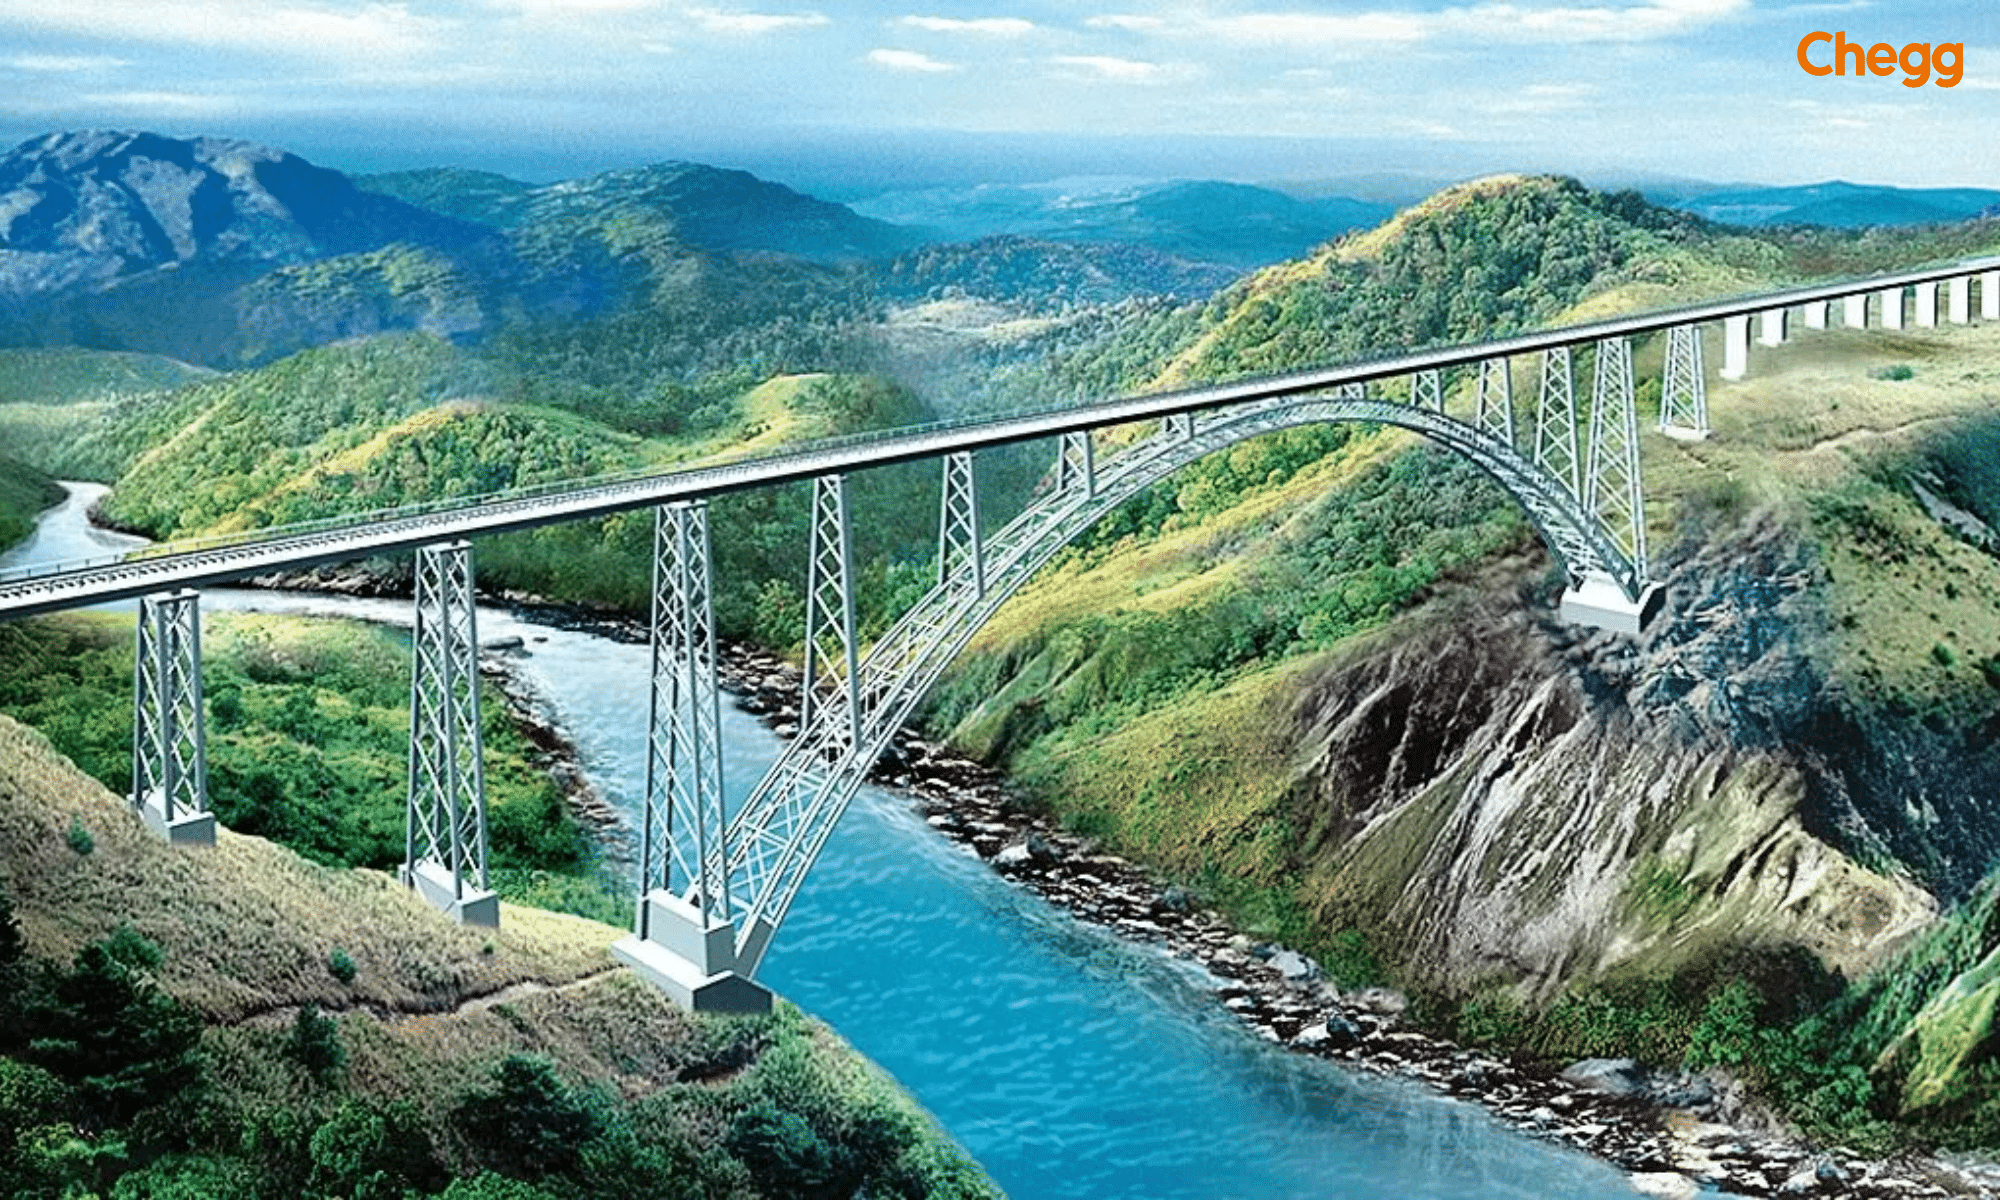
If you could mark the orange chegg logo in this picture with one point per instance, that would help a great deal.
(1917, 59)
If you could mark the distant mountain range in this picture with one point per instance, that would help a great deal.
(1234, 224)
(1841, 205)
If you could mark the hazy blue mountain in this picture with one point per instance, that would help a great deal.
(1841, 205)
(99, 205)
(707, 208)
(1235, 224)
(459, 192)
(1041, 272)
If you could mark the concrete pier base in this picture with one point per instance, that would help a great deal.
(1601, 603)
(473, 906)
(691, 959)
(186, 829)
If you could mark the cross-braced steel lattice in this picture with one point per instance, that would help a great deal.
(1555, 421)
(1493, 411)
(1178, 426)
(447, 811)
(961, 555)
(1683, 391)
(831, 645)
(683, 844)
(1427, 391)
(1076, 465)
(1613, 494)
(169, 754)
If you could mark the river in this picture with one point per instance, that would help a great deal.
(1071, 1063)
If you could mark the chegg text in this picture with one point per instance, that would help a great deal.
(1917, 59)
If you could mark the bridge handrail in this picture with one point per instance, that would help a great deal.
(1021, 424)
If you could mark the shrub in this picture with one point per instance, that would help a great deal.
(315, 1045)
(79, 838)
(105, 1028)
(341, 965)
(1895, 372)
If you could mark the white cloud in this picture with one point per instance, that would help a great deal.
(1565, 23)
(190, 104)
(1294, 28)
(1559, 91)
(64, 63)
(909, 60)
(716, 21)
(990, 26)
(372, 29)
(1125, 21)
(1121, 70)
(544, 9)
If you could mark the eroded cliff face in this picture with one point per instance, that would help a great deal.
(1499, 798)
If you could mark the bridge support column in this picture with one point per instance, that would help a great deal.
(1892, 307)
(1736, 346)
(1927, 304)
(169, 749)
(961, 554)
(832, 650)
(1493, 411)
(444, 857)
(1815, 314)
(1427, 391)
(1555, 421)
(1683, 390)
(1960, 299)
(1076, 464)
(1989, 295)
(1614, 495)
(1854, 311)
(686, 945)
(1771, 327)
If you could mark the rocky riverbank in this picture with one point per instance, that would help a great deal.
(1678, 1134)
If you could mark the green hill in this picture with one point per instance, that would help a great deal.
(244, 1022)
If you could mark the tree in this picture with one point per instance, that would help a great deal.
(529, 1124)
(108, 1030)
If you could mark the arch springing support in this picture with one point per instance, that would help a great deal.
(1493, 411)
(961, 554)
(445, 831)
(169, 746)
(1683, 390)
(1555, 421)
(831, 645)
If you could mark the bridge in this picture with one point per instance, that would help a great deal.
(713, 885)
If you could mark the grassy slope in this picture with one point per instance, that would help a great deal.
(247, 930)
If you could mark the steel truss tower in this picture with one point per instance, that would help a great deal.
(445, 835)
(1683, 390)
(169, 750)
(1555, 421)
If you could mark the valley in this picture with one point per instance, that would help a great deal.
(1316, 681)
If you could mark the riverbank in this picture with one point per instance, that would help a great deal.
(1676, 1135)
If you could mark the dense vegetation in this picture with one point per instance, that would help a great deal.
(307, 743)
(24, 492)
(183, 1055)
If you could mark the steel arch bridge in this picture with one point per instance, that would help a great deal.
(714, 886)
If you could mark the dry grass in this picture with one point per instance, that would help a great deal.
(249, 926)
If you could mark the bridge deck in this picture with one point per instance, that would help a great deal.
(199, 562)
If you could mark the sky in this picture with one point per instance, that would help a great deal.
(852, 98)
